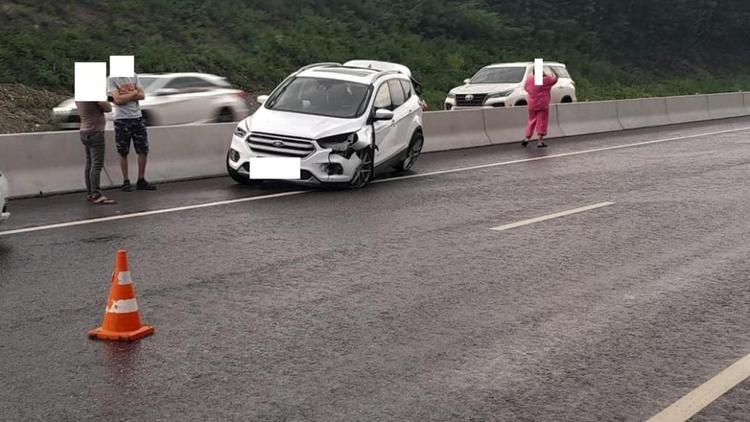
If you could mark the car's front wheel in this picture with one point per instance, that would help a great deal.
(415, 150)
(225, 115)
(365, 170)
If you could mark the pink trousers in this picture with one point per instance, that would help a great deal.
(538, 120)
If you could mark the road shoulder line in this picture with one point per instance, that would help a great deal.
(697, 400)
(392, 179)
(551, 216)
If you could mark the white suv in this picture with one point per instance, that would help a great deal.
(342, 121)
(4, 214)
(502, 85)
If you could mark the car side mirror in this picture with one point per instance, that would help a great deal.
(383, 114)
(467, 81)
(262, 99)
(166, 91)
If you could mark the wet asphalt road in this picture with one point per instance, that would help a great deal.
(397, 302)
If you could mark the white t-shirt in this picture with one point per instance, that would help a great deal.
(130, 110)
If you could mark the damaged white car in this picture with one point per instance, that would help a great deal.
(337, 123)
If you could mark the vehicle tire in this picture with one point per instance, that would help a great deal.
(521, 103)
(415, 149)
(148, 119)
(365, 171)
(225, 115)
(240, 178)
(566, 99)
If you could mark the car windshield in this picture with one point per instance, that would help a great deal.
(147, 82)
(499, 75)
(323, 97)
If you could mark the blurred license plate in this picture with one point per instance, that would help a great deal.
(286, 168)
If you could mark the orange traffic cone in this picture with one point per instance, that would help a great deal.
(121, 319)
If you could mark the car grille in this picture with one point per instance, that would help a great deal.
(284, 146)
(474, 100)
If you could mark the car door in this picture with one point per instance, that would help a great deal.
(385, 130)
(412, 106)
(565, 86)
(401, 114)
(182, 106)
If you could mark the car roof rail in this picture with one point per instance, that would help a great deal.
(323, 64)
(379, 75)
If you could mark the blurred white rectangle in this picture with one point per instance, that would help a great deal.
(122, 66)
(286, 168)
(538, 72)
(90, 81)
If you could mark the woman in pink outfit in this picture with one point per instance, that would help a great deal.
(538, 100)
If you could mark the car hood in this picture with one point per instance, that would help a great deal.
(69, 104)
(300, 125)
(484, 88)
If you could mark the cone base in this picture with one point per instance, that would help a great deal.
(102, 334)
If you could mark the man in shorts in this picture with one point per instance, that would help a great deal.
(129, 126)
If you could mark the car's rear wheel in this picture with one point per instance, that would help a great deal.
(225, 115)
(148, 119)
(239, 177)
(415, 150)
(365, 171)
(567, 99)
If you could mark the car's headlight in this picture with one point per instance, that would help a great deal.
(240, 130)
(452, 96)
(499, 94)
(339, 142)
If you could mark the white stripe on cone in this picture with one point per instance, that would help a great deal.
(123, 278)
(125, 306)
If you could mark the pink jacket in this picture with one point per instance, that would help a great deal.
(539, 96)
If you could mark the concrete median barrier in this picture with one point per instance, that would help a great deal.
(446, 130)
(721, 106)
(582, 118)
(645, 112)
(507, 125)
(42, 162)
(180, 152)
(52, 162)
(690, 108)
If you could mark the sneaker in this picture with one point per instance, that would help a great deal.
(126, 186)
(524, 143)
(144, 185)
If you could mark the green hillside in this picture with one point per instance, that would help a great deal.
(614, 48)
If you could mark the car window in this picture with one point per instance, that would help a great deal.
(322, 97)
(189, 83)
(148, 82)
(383, 98)
(561, 72)
(406, 85)
(499, 75)
(397, 93)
